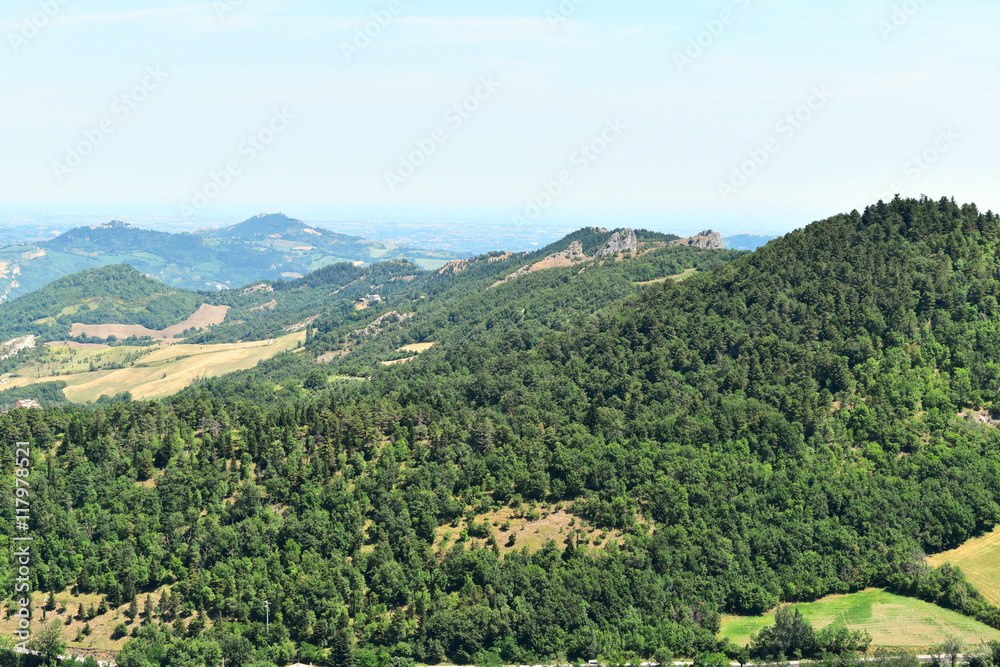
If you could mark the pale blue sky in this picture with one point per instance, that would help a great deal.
(929, 86)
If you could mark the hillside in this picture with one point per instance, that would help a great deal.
(265, 247)
(596, 458)
(350, 296)
(110, 294)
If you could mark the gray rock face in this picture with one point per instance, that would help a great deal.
(619, 242)
(707, 239)
(574, 252)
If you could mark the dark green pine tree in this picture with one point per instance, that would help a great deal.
(133, 609)
(341, 649)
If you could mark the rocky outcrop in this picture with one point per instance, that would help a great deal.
(619, 242)
(707, 239)
(11, 347)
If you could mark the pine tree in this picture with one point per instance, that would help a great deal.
(102, 608)
(341, 650)
(133, 609)
(164, 604)
(50, 603)
(147, 610)
(81, 614)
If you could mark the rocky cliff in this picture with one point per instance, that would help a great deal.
(619, 242)
(707, 239)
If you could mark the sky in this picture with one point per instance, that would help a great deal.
(739, 115)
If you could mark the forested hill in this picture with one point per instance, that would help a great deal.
(786, 425)
(110, 294)
(277, 225)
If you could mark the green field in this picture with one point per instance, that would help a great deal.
(893, 621)
(980, 561)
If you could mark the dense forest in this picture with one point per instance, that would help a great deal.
(779, 426)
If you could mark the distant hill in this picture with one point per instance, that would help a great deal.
(267, 247)
(266, 227)
(746, 241)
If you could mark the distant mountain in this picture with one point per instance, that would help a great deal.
(274, 226)
(267, 247)
(746, 241)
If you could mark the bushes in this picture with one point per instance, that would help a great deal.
(793, 636)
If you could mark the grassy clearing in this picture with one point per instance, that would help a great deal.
(100, 644)
(419, 348)
(165, 370)
(980, 561)
(678, 278)
(893, 621)
(533, 533)
(416, 348)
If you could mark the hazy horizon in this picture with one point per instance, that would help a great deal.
(735, 115)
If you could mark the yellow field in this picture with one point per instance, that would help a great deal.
(893, 621)
(205, 316)
(419, 348)
(164, 371)
(980, 561)
(416, 348)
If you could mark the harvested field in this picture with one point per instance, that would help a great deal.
(980, 561)
(165, 370)
(205, 316)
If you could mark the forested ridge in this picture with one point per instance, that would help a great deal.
(786, 425)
